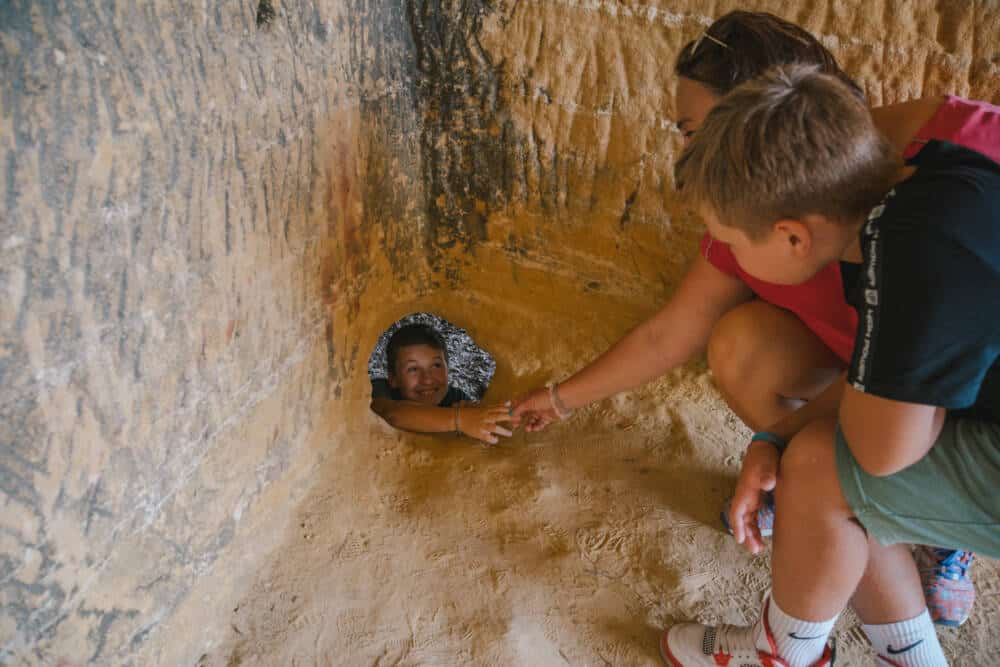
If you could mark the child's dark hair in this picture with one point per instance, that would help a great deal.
(743, 45)
(413, 334)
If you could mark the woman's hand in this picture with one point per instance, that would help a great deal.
(534, 410)
(483, 423)
(758, 476)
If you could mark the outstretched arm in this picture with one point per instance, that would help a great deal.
(414, 417)
(482, 423)
(669, 338)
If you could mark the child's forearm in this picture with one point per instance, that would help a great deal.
(409, 416)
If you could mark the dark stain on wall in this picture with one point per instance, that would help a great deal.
(464, 154)
(265, 13)
(383, 69)
(430, 95)
(178, 187)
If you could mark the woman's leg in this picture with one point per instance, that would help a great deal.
(766, 362)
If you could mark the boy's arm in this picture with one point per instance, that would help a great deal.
(414, 417)
(886, 436)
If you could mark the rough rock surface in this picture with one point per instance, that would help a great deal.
(208, 212)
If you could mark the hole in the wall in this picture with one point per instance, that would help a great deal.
(265, 13)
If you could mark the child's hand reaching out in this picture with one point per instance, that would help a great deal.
(483, 423)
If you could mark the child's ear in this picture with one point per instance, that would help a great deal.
(796, 234)
(392, 380)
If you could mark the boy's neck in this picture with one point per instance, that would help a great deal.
(852, 251)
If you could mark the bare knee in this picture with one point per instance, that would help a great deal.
(732, 345)
(808, 473)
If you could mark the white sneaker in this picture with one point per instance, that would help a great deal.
(696, 645)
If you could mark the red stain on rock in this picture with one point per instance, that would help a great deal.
(346, 257)
(350, 225)
(345, 177)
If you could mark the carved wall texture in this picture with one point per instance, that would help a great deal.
(182, 190)
(190, 191)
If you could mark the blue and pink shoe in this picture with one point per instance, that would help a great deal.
(948, 589)
(944, 573)
(765, 516)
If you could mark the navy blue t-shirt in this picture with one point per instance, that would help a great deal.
(381, 389)
(928, 290)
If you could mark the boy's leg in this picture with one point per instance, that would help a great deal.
(887, 595)
(816, 555)
(766, 362)
(890, 588)
(821, 553)
(821, 556)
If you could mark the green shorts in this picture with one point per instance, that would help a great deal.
(950, 498)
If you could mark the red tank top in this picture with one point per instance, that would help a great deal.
(819, 302)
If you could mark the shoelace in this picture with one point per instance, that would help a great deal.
(731, 640)
(953, 564)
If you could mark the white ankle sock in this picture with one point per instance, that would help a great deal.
(800, 643)
(911, 643)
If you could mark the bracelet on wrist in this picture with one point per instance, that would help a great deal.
(557, 405)
(773, 438)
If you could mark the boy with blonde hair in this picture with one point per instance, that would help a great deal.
(908, 449)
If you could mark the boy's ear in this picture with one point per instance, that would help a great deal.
(796, 234)
(392, 380)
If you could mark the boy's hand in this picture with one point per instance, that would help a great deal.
(483, 423)
(758, 475)
(534, 410)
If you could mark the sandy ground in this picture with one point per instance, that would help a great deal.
(574, 546)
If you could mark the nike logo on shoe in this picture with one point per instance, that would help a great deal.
(795, 636)
(895, 651)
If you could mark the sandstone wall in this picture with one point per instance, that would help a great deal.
(184, 200)
(207, 212)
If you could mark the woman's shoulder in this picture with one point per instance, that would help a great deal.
(902, 122)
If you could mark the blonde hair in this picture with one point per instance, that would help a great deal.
(787, 144)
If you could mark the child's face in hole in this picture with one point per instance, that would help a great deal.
(421, 374)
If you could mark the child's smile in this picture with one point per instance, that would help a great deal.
(421, 374)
